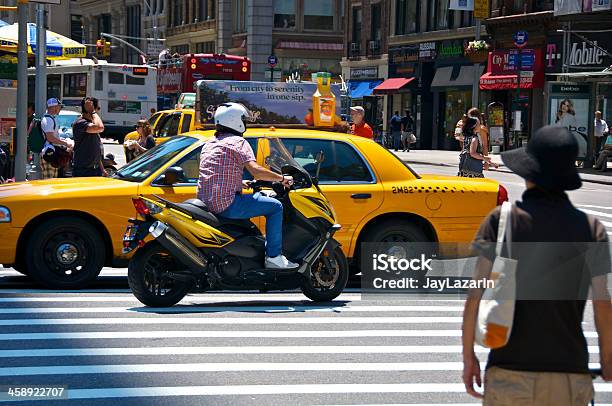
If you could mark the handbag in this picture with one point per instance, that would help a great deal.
(496, 310)
(468, 164)
(412, 138)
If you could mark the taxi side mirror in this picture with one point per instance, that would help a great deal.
(173, 175)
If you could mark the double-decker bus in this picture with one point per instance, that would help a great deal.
(178, 75)
(127, 93)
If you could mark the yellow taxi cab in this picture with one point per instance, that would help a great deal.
(166, 123)
(63, 231)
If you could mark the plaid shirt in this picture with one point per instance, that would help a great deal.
(221, 165)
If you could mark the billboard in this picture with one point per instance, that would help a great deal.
(569, 107)
(270, 102)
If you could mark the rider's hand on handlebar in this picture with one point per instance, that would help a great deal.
(246, 184)
(287, 181)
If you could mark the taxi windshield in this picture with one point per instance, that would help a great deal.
(280, 156)
(149, 162)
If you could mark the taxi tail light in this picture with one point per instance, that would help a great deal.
(502, 195)
(141, 207)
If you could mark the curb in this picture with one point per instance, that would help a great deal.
(597, 181)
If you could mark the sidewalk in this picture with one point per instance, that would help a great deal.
(451, 159)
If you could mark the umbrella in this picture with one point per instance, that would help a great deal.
(58, 46)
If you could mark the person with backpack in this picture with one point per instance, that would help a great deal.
(46, 133)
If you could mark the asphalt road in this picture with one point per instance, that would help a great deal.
(230, 349)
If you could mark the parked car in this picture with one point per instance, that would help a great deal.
(75, 226)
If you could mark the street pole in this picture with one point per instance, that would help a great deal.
(21, 150)
(41, 56)
(476, 83)
(517, 126)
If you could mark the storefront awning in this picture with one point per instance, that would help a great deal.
(357, 90)
(489, 81)
(444, 77)
(392, 85)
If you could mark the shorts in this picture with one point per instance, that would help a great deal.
(504, 387)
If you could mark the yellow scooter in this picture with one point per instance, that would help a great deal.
(183, 247)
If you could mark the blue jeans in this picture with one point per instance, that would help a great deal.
(255, 205)
(397, 139)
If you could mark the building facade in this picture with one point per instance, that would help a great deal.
(259, 29)
(365, 63)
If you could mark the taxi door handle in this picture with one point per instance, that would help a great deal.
(361, 196)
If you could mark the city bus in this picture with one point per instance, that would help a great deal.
(178, 75)
(127, 93)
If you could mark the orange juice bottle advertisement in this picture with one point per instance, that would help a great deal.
(323, 101)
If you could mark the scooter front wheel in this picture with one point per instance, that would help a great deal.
(148, 277)
(328, 276)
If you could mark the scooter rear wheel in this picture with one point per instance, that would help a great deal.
(328, 276)
(148, 280)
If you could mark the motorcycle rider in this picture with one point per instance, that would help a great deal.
(222, 162)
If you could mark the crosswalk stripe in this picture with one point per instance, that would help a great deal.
(590, 206)
(208, 296)
(237, 334)
(597, 213)
(311, 349)
(235, 390)
(230, 320)
(233, 367)
(230, 308)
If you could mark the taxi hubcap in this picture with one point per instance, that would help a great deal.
(67, 254)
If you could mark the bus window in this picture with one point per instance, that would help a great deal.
(75, 84)
(186, 123)
(99, 80)
(115, 78)
(131, 80)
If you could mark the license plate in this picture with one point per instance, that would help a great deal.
(130, 233)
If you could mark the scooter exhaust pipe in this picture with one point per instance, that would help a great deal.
(178, 246)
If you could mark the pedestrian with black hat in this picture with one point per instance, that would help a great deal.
(561, 252)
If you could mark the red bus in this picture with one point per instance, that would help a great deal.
(178, 75)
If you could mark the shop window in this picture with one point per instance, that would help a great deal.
(407, 16)
(319, 15)
(284, 14)
(75, 85)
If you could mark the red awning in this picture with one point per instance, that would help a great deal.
(489, 81)
(310, 46)
(392, 85)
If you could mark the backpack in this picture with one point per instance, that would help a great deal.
(36, 136)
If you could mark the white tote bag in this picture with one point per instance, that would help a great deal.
(496, 311)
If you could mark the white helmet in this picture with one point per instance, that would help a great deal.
(232, 116)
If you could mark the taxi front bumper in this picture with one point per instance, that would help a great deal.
(8, 246)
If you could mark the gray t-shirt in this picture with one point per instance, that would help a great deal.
(86, 145)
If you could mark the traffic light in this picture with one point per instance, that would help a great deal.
(100, 47)
(107, 50)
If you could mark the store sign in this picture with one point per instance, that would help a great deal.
(587, 53)
(451, 49)
(481, 9)
(427, 51)
(463, 5)
(569, 107)
(403, 61)
(506, 62)
(370, 72)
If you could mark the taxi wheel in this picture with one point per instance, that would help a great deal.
(65, 253)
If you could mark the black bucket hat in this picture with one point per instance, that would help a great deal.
(548, 160)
